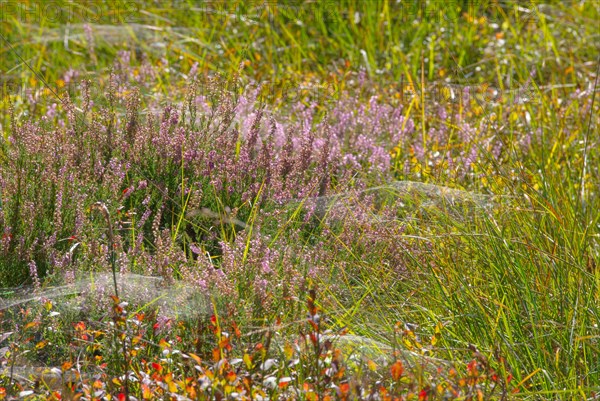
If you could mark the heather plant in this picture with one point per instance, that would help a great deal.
(175, 170)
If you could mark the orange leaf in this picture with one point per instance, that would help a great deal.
(195, 358)
(224, 343)
(146, 393)
(236, 330)
(312, 396)
(216, 354)
(231, 376)
(397, 369)
(79, 326)
(284, 381)
(30, 325)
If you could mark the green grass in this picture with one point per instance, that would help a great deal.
(517, 279)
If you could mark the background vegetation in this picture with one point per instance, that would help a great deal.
(300, 200)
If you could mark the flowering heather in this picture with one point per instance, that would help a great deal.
(225, 153)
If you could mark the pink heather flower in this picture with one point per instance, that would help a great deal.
(126, 193)
(471, 159)
(419, 150)
(174, 118)
(497, 149)
(124, 57)
(195, 249)
(379, 159)
(70, 75)
(442, 113)
(70, 276)
(406, 167)
(52, 111)
(89, 37)
(261, 287)
(526, 140)
(163, 323)
(33, 272)
(265, 265)
(193, 70)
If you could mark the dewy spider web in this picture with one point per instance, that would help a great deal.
(177, 298)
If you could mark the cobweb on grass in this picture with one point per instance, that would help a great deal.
(400, 201)
(90, 292)
(405, 197)
(173, 299)
(112, 34)
(178, 299)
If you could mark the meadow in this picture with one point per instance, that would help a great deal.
(301, 200)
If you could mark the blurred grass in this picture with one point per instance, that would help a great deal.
(283, 39)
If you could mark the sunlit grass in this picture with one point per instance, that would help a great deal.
(479, 279)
